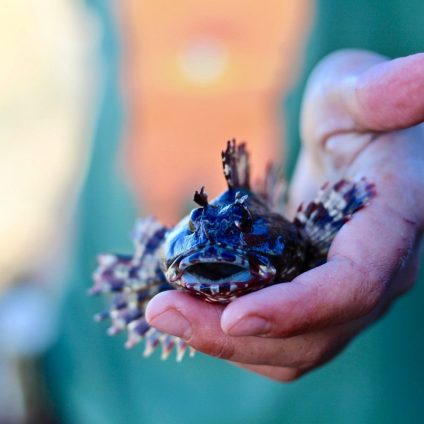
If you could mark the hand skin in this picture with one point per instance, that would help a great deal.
(360, 117)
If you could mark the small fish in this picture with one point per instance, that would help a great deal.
(223, 249)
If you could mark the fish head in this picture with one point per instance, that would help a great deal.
(227, 248)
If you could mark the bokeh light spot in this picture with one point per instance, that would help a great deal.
(203, 61)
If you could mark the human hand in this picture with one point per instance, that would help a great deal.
(360, 116)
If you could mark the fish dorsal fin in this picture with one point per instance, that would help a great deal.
(201, 198)
(273, 187)
(235, 162)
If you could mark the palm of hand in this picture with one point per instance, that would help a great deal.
(358, 120)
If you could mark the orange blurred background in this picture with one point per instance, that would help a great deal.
(193, 74)
(196, 75)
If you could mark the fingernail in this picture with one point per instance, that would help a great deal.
(172, 322)
(249, 326)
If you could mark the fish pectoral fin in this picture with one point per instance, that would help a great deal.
(130, 282)
(236, 165)
(322, 218)
(148, 235)
(155, 339)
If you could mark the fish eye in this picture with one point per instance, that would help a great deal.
(191, 226)
(244, 221)
(244, 225)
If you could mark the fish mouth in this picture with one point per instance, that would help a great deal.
(215, 271)
(219, 274)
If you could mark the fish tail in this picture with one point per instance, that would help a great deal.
(130, 282)
(333, 206)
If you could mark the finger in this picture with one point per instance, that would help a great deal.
(364, 256)
(198, 323)
(390, 95)
(359, 91)
(280, 374)
(288, 374)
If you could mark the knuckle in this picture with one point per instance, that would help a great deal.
(220, 348)
(322, 354)
(368, 286)
(372, 297)
(296, 328)
(326, 351)
(311, 360)
(317, 353)
(289, 375)
(225, 350)
(287, 333)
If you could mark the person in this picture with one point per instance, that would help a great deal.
(91, 379)
(360, 118)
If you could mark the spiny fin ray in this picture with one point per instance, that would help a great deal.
(131, 281)
(236, 166)
(322, 218)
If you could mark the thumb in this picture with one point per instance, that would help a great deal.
(359, 91)
(390, 95)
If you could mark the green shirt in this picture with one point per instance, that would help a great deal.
(92, 379)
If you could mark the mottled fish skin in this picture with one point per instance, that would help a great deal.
(226, 248)
(232, 246)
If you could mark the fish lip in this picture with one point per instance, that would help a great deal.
(241, 276)
(255, 272)
(222, 292)
(206, 256)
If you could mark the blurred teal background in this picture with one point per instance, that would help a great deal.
(89, 378)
